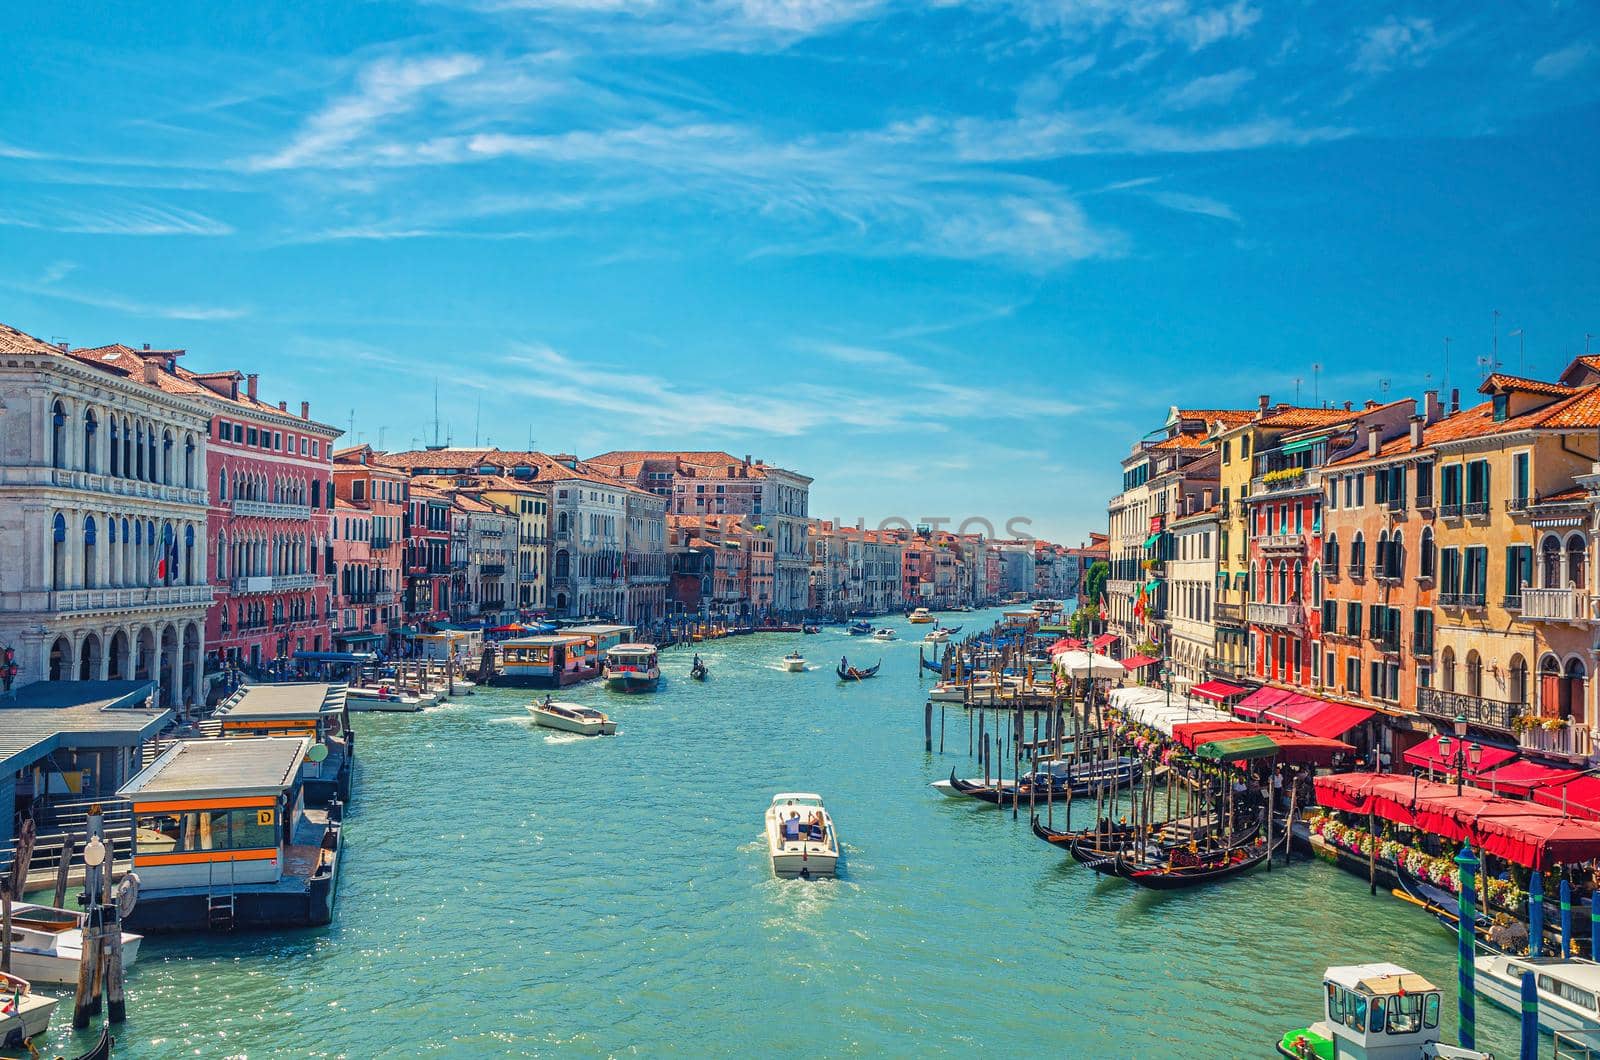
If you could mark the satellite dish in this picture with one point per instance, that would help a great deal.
(318, 752)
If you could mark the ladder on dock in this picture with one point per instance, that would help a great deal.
(1569, 1046)
(219, 911)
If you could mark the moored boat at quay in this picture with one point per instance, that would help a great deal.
(24, 1015)
(388, 698)
(1568, 990)
(1053, 780)
(225, 838)
(312, 709)
(47, 943)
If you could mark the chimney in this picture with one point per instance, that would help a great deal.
(1370, 404)
(250, 381)
(1372, 441)
(1205, 499)
(1417, 423)
(147, 345)
(1347, 406)
(1455, 399)
(305, 410)
(283, 406)
(1431, 409)
(1265, 402)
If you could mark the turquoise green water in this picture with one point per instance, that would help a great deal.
(506, 891)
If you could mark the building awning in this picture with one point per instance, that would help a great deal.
(1153, 540)
(1523, 778)
(358, 638)
(336, 656)
(1135, 662)
(1256, 703)
(1301, 446)
(1104, 640)
(1318, 717)
(1579, 796)
(1428, 756)
(1217, 691)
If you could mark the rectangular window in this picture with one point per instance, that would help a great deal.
(1352, 619)
(1424, 483)
(1450, 485)
(1478, 482)
(1449, 572)
(1475, 573)
(1519, 572)
(250, 434)
(1328, 666)
(1519, 480)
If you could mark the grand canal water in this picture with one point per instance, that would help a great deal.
(510, 892)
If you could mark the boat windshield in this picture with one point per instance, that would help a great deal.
(1408, 1013)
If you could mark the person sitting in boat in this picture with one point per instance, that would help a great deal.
(814, 826)
(791, 827)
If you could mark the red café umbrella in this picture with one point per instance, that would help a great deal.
(1066, 644)
(510, 627)
(1104, 641)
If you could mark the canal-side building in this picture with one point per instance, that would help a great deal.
(380, 492)
(1379, 565)
(355, 619)
(483, 549)
(1191, 575)
(644, 545)
(427, 562)
(103, 512)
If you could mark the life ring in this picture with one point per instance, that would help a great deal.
(127, 895)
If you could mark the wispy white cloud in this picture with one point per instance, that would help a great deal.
(1211, 90)
(1564, 62)
(1198, 204)
(1195, 26)
(1393, 43)
(117, 219)
(864, 356)
(132, 307)
(384, 88)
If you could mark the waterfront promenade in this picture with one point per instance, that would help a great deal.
(510, 892)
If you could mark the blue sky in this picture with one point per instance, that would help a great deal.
(948, 258)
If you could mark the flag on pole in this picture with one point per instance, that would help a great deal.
(1104, 614)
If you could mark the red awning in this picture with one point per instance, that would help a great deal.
(1330, 720)
(1192, 733)
(1252, 705)
(1579, 797)
(1293, 748)
(1104, 641)
(1135, 662)
(1217, 691)
(1522, 778)
(1298, 750)
(1065, 644)
(1427, 755)
(1537, 836)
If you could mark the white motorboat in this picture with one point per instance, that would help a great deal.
(571, 717)
(936, 636)
(794, 662)
(883, 633)
(793, 842)
(24, 1015)
(1568, 990)
(387, 697)
(47, 943)
(951, 692)
(632, 668)
(1379, 1011)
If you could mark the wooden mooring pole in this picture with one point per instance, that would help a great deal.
(927, 727)
(95, 860)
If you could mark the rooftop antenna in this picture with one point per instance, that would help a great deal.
(436, 411)
(1383, 386)
(381, 431)
(1297, 390)
(1494, 347)
(477, 421)
(352, 421)
(1446, 382)
(1316, 388)
(1586, 337)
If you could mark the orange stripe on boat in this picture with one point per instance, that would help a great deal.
(230, 803)
(199, 856)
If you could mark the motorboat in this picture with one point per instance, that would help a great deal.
(798, 846)
(920, 617)
(24, 1015)
(387, 698)
(1380, 1011)
(632, 668)
(47, 943)
(794, 662)
(860, 629)
(1568, 990)
(883, 633)
(571, 717)
(948, 692)
(936, 636)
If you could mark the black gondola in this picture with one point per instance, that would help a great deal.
(1051, 786)
(850, 673)
(698, 671)
(1444, 907)
(935, 667)
(1233, 861)
(1105, 860)
(1064, 840)
(102, 1048)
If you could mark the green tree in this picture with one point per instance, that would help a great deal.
(1094, 584)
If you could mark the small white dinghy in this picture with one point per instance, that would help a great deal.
(571, 717)
(794, 662)
(47, 943)
(936, 636)
(793, 822)
(883, 633)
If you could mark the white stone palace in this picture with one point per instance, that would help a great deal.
(103, 509)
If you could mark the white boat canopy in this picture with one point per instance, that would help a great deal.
(1083, 664)
(1152, 707)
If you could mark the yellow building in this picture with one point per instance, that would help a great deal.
(530, 503)
(1510, 552)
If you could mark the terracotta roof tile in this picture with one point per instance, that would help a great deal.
(1501, 381)
(1232, 417)
(1294, 418)
(1183, 441)
(14, 341)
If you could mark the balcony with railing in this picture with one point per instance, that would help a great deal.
(1422, 645)
(381, 541)
(1569, 741)
(492, 570)
(1387, 643)
(1489, 713)
(270, 509)
(108, 484)
(1295, 542)
(68, 601)
(274, 583)
(1284, 616)
(1230, 614)
(1518, 505)
(1475, 509)
(1555, 605)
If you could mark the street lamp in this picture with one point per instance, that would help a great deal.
(1465, 754)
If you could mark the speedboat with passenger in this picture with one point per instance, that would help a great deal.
(800, 837)
(883, 633)
(794, 662)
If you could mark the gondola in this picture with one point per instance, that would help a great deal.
(933, 666)
(102, 1048)
(850, 673)
(952, 630)
(1444, 907)
(698, 671)
(1052, 786)
(1232, 861)
(1105, 861)
(1064, 840)
(811, 629)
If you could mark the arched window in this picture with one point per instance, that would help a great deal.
(1519, 680)
(116, 448)
(1358, 555)
(1316, 584)
(1447, 669)
(61, 660)
(138, 446)
(188, 461)
(222, 557)
(166, 457)
(1296, 588)
(1572, 705)
(127, 449)
(188, 555)
(222, 484)
(1474, 673)
(1397, 555)
(1425, 556)
(1577, 551)
(1330, 551)
(90, 552)
(1380, 562)
(58, 552)
(90, 426)
(58, 435)
(1550, 562)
